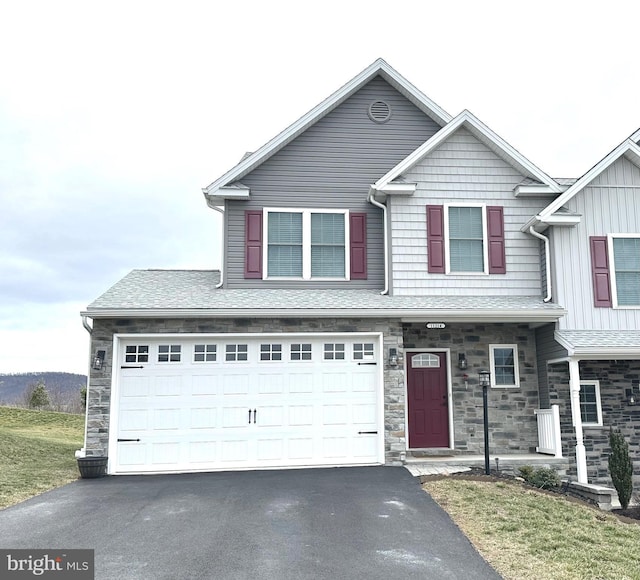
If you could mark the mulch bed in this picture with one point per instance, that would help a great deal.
(630, 516)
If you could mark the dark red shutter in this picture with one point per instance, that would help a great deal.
(435, 239)
(600, 272)
(358, 241)
(495, 235)
(253, 244)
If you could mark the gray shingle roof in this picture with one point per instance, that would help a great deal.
(182, 290)
(593, 341)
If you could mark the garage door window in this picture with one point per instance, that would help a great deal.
(270, 352)
(333, 351)
(204, 353)
(236, 353)
(301, 351)
(169, 353)
(363, 351)
(137, 353)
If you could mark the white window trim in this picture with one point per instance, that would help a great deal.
(598, 404)
(612, 272)
(485, 249)
(516, 368)
(306, 243)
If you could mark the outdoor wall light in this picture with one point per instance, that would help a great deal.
(98, 360)
(393, 357)
(462, 361)
(485, 378)
(632, 396)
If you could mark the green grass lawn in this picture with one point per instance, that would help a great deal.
(36, 451)
(527, 534)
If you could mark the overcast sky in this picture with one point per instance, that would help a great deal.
(114, 115)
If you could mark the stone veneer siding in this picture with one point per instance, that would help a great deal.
(99, 394)
(615, 378)
(512, 422)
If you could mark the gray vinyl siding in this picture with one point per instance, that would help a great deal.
(609, 205)
(463, 169)
(546, 349)
(332, 165)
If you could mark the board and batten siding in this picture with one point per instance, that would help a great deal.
(331, 166)
(463, 169)
(610, 204)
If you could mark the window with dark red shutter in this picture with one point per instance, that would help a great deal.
(253, 244)
(435, 239)
(495, 239)
(358, 242)
(601, 274)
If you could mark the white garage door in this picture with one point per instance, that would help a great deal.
(231, 402)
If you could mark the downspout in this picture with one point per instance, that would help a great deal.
(82, 452)
(386, 241)
(547, 260)
(219, 209)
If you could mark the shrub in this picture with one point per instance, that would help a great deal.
(37, 396)
(541, 477)
(620, 467)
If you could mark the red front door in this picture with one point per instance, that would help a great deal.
(427, 400)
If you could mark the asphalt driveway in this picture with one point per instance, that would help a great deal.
(351, 523)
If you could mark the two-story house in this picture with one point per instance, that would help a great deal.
(378, 253)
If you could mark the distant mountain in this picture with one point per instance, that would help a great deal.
(13, 386)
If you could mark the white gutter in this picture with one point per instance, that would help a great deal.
(404, 313)
(547, 260)
(86, 324)
(386, 240)
(218, 209)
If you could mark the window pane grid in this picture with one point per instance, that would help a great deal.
(588, 403)
(284, 254)
(301, 351)
(327, 245)
(466, 239)
(626, 253)
(204, 353)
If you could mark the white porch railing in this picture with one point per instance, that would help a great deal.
(549, 440)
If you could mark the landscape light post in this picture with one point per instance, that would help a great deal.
(485, 381)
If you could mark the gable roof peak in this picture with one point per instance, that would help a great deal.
(629, 148)
(484, 134)
(379, 67)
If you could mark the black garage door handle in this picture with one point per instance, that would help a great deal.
(120, 440)
(367, 432)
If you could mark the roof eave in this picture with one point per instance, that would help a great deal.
(408, 315)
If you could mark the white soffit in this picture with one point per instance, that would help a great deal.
(379, 67)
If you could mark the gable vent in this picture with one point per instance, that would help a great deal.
(379, 111)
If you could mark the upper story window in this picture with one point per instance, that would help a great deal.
(466, 239)
(626, 270)
(306, 244)
(504, 365)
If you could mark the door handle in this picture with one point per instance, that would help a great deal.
(121, 440)
(255, 416)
